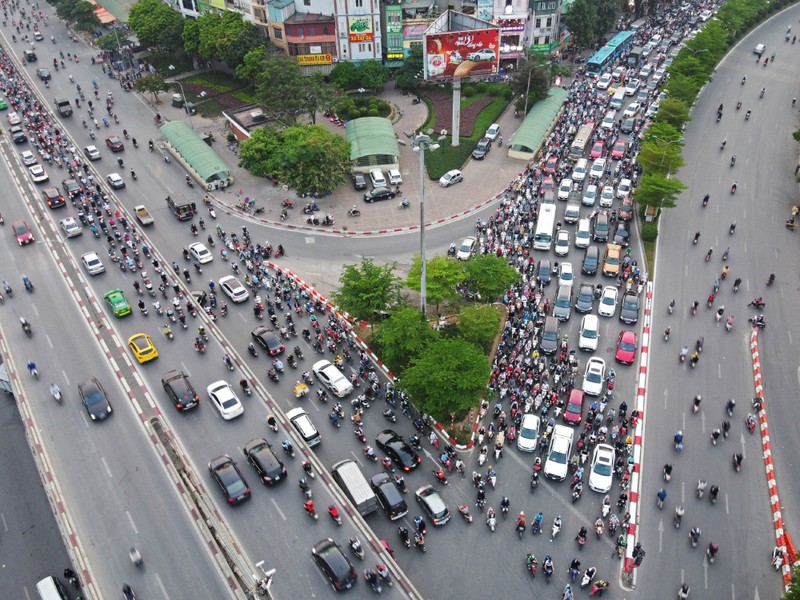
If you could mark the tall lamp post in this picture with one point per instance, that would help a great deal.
(421, 143)
(183, 94)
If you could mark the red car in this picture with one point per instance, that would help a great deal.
(597, 150)
(22, 232)
(550, 166)
(572, 414)
(548, 185)
(626, 347)
(619, 149)
(115, 144)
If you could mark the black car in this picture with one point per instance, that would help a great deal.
(628, 125)
(629, 313)
(334, 564)
(626, 210)
(549, 343)
(379, 193)
(270, 469)
(267, 340)
(180, 391)
(591, 259)
(562, 307)
(622, 234)
(600, 227)
(359, 181)
(396, 448)
(29, 55)
(71, 187)
(229, 479)
(585, 300)
(43, 74)
(389, 496)
(53, 197)
(545, 273)
(482, 149)
(94, 399)
(18, 135)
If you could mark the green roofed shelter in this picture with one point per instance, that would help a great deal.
(196, 156)
(373, 144)
(532, 133)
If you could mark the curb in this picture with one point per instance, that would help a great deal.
(782, 537)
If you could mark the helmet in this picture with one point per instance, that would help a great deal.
(302, 481)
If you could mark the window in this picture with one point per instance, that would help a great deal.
(324, 31)
(277, 33)
(311, 31)
(538, 23)
(306, 2)
(549, 22)
(359, 3)
(299, 31)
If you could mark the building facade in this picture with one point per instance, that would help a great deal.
(359, 30)
(545, 25)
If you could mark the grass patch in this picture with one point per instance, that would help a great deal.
(650, 257)
(162, 62)
(215, 80)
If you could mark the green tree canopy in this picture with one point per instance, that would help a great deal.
(607, 12)
(252, 64)
(403, 337)
(534, 67)
(285, 94)
(673, 112)
(113, 41)
(581, 20)
(443, 275)
(683, 88)
(151, 83)
(345, 75)
(156, 24)
(191, 37)
(689, 66)
(367, 289)
(794, 588)
(661, 150)
(450, 376)
(490, 275)
(659, 191)
(479, 325)
(410, 75)
(373, 74)
(240, 41)
(79, 13)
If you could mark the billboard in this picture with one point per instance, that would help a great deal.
(360, 29)
(461, 54)
(305, 60)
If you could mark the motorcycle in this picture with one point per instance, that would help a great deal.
(464, 510)
(333, 511)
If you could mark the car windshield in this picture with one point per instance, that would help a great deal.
(603, 468)
(624, 345)
(631, 304)
(589, 334)
(558, 457)
(528, 433)
(19, 229)
(612, 260)
(94, 397)
(609, 300)
(573, 408)
(562, 302)
(593, 377)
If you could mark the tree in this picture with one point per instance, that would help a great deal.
(151, 83)
(659, 191)
(345, 76)
(490, 275)
(240, 40)
(681, 87)
(191, 37)
(367, 290)
(373, 74)
(689, 66)
(450, 376)
(443, 275)
(80, 14)
(252, 64)
(581, 20)
(316, 97)
(403, 337)
(479, 325)
(280, 88)
(657, 156)
(673, 112)
(410, 75)
(793, 593)
(113, 41)
(531, 70)
(156, 24)
(607, 12)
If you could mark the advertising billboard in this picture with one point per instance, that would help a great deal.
(305, 60)
(461, 54)
(360, 29)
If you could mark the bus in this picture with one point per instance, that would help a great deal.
(609, 53)
(581, 141)
(543, 237)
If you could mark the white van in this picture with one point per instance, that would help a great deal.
(618, 99)
(51, 588)
(557, 463)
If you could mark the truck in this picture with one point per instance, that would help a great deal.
(141, 213)
(635, 57)
(64, 107)
(349, 477)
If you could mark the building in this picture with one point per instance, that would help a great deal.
(393, 54)
(545, 25)
(512, 17)
(311, 38)
(359, 31)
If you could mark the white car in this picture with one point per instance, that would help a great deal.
(235, 290)
(593, 376)
(632, 110)
(528, 435)
(394, 177)
(92, 153)
(604, 81)
(377, 178)
(466, 248)
(332, 378)
(601, 474)
(652, 110)
(624, 188)
(224, 400)
(28, 158)
(564, 188)
(645, 72)
(608, 121)
(92, 263)
(590, 333)
(618, 73)
(583, 234)
(484, 54)
(565, 275)
(607, 196)
(659, 74)
(608, 301)
(598, 167)
(70, 227)
(200, 253)
(37, 174)
(579, 170)
(632, 87)
(562, 242)
(493, 132)
(115, 181)
(450, 178)
(13, 119)
(590, 195)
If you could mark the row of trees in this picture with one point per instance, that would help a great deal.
(588, 21)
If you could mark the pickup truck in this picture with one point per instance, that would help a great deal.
(142, 214)
(64, 107)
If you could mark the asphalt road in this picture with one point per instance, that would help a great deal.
(741, 522)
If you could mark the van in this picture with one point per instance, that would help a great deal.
(349, 477)
(618, 98)
(572, 213)
(51, 588)
(557, 463)
(299, 418)
(182, 210)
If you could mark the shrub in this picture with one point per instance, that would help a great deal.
(468, 91)
(373, 112)
(649, 232)
(508, 93)
(481, 87)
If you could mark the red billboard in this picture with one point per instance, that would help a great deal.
(462, 54)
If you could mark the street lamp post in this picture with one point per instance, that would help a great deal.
(183, 94)
(264, 583)
(420, 144)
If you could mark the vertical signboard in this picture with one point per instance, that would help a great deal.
(360, 29)
(486, 10)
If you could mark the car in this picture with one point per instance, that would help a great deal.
(588, 338)
(584, 301)
(30, 55)
(334, 564)
(608, 301)
(645, 72)
(200, 253)
(482, 149)
(92, 153)
(398, 450)
(389, 497)
(482, 55)
(652, 85)
(562, 242)
(608, 121)
(493, 132)
(225, 400)
(593, 376)
(548, 189)
(180, 390)
(43, 74)
(706, 15)
(604, 81)
(3, 103)
(433, 504)
(37, 35)
(38, 174)
(565, 275)
(589, 195)
(70, 227)
(13, 118)
(607, 196)
(18, 135)
(652, 110)
(626, 210)
(142, 347)
(564, 188)
(28, 158)
(92, 263)
(597, 151)
(642, 96)
(601, 473)
(562, 306)
(229, 479)
(574, 408)
(395, 178)
(556, 465)
(549, 343)
(466, 248)
(628, 125)
(359, 181)
(591, 260)
(659, 74)
(611, 260)
(450, 178)
(332, 378)
(115, 144)
(377, 178)
(626, 347)
(572, 211)
(545, 271)
(22, 232)
(71, 187)
(260, 455)
(759, 49)
(600, 227)
(617, 153)
(53, 197)
(267, 339)
(618, 74)
(551, 165)
(629, 311)
(379, 193)
(632, 87)
(117, 302)
(579, 170)
(115, 181)
(528, 437)
(233, 289)
(622, 233)
(94, 399)
(583, 234)
(302, 423)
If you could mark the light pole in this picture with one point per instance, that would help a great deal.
(185, 107)
(264, 583)
(420, 144)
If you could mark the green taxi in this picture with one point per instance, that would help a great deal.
(117, 302)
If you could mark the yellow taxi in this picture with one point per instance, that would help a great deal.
(142, 347)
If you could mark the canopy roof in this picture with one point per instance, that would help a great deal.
(534, 128)
(195, 151)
